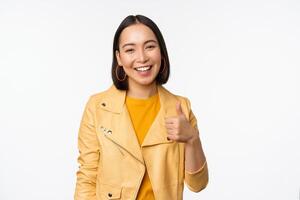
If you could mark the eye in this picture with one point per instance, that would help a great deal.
(129, 50)
(150, 47)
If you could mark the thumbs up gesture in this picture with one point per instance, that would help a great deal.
(178, 128)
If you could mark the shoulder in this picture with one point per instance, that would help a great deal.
(184, 100)
(95, 99)
(179, 97)
(111, 99)
(98, 96)
(172, 98)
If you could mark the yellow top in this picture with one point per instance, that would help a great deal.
(142, 113)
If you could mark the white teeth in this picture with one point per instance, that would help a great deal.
(143, 68)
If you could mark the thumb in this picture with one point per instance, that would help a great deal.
(178, 108)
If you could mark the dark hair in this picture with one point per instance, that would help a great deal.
(164, 72)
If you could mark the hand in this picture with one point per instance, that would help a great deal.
(179, 129)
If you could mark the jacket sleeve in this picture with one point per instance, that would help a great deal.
(88, 159)
(197, 180)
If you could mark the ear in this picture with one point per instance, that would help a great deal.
(117, 53)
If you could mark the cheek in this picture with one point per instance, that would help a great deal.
(158, 60)
(127, 68)
(127, 61)
(156, 56)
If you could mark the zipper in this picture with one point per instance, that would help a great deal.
(124, 149)
(140, 180)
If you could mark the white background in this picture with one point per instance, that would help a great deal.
(237, 61)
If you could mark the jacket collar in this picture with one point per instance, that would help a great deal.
(114, 100)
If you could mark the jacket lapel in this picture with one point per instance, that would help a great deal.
(123, 133)
(157, 133)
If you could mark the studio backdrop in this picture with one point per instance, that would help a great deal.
(237, 61)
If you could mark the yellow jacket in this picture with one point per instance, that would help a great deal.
(112, 163)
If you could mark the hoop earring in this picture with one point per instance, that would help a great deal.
(164, 61)
(117, 74)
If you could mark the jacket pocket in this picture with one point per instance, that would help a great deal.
(110, 192)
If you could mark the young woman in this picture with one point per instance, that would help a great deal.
(137, 140)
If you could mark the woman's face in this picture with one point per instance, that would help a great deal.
(139, 54)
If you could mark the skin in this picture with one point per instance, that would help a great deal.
(138, 46)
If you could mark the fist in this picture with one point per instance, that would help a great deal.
(179, 128)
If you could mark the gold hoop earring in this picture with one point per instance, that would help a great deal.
(117, 74)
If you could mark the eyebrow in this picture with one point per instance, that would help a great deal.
(128, 44)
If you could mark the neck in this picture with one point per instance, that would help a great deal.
(141, 91)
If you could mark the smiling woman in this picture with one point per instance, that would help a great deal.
(139, 54)
(137, 140)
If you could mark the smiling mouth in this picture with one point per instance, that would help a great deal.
(143, 68)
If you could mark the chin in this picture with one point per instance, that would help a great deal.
(146, 82)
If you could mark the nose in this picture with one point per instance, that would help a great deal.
(142, 56)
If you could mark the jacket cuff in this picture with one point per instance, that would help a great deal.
(197, 180)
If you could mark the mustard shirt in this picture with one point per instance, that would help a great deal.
(142, 113)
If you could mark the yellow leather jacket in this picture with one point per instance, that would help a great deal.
(112, 163)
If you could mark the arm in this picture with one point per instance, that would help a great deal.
(184, 129)
(196, 171)
(88, 156)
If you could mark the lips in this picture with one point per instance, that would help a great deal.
(143, 68)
